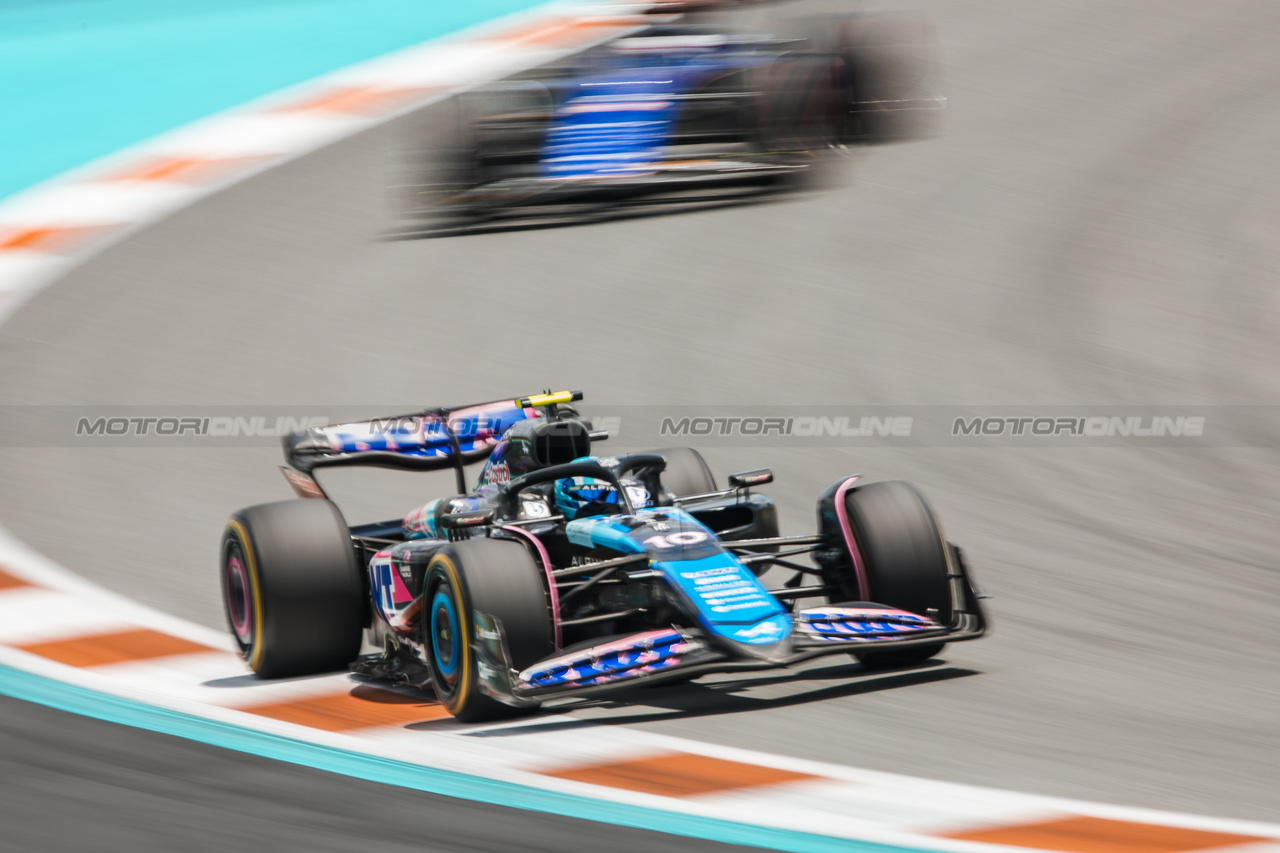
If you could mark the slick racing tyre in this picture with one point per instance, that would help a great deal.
(800, 105)
(292, 588)
(485, 135)
(507, 123)
(905, 557)
(500, 579)
(687, 473)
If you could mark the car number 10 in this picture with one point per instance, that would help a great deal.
(675, 540)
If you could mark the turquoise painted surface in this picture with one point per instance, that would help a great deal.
(80, 79)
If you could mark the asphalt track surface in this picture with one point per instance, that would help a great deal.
(87, 785)
(1096, 228)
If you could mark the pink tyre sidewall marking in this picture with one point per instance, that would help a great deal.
(238, 600)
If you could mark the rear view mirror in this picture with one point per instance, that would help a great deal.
(466, 520)
(747, 479)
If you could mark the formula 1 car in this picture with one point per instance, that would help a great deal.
(566, 574)
(681, 108)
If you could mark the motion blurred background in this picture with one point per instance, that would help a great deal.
(1095, 230)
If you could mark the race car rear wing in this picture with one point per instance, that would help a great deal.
(430, 440)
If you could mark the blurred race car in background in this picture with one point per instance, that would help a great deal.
(564, 574)
(683, 107)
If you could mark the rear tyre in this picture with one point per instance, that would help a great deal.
(893, 83)
(905, 557)
(292, 589)
(500, 579)
(687, 473)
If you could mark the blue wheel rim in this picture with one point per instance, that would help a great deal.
(444, 632)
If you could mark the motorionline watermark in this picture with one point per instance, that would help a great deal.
(50, 427)
(137, 426)
(1092, 426)
(800, 426)
(956, 426)
(642, 427)
(160, 426)
(221, 426)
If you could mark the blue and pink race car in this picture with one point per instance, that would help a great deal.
(563, 573)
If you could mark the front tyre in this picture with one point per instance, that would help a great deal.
(799, 104)
(500, 579)
(291, 588)
(905, 558)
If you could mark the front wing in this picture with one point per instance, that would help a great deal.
(664, 178)
(680, 653)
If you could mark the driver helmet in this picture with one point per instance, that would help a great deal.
(582, 497)
(579, 497)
